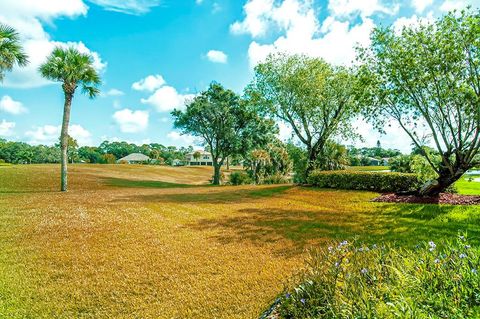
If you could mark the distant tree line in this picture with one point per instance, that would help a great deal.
(106, 153)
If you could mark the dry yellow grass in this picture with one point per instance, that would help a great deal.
(132, 250)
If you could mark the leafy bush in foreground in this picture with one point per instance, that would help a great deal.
(240, 178)
(358, 180)
(358, 281)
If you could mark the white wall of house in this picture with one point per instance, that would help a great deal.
(204, 160)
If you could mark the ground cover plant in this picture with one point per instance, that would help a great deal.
(353, 280)
(140, 249)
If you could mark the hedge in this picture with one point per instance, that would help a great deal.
(371, 181)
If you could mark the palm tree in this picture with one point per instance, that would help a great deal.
(72, 69)
(11, 52)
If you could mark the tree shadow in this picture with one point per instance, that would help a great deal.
(407, 225)
(220, 195)
(129, 183)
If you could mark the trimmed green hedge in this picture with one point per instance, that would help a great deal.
(371, 181)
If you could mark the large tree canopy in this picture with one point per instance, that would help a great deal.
(226, 123)
(427, 78)
(314, 98)
(11, 52)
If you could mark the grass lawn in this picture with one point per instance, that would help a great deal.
(368, 168)
(468, 186)
(134, 241)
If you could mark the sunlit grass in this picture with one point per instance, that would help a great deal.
(468, 186)
(153, 246)
(368, 168)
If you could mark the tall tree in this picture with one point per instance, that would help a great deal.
(314, 98)
(427, 78)
(225, 122)
(72, 69)
(11, 52)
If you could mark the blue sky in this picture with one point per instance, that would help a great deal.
(155, 54)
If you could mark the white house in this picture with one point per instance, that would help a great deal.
(205, 159)
(134, 158)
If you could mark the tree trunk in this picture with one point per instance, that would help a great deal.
(216, 173)
(312, 158)
(64, 140)
(445, 180)
(228, 164)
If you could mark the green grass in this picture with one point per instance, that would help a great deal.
(467, 187)
(142, 242)
(119, 182)
(368, 168)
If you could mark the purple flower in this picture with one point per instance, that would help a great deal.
(432, 245)
(287, 295)
(462, 237)
(302, 301)
(364, 271)
(474, 271)
(437, 261)
(462, 256)
(468, 246)
(337, 264)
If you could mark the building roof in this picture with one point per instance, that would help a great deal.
(135, 157)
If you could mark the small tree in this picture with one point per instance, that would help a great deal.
(72, 69)
(197, 155)
(225, 122)
(316, 99)
(427, 78)
(11, 52)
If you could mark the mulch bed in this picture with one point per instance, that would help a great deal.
(444, 198)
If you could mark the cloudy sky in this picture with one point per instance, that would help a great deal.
(155, 54)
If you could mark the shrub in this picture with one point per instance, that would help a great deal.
(276, 179)
(358, 281)
(359, 180)
(240, 178)
(416, 164)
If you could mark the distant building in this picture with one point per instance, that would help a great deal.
(205, 159)
(135, 158)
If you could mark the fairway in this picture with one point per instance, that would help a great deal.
(130, 241)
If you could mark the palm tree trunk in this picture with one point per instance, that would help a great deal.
(64, 140)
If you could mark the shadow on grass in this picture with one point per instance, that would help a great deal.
(406, 225)
(118, 182)
(220, 195)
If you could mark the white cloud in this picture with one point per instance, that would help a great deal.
(50, 134)
(9, 105)
(412, 22)
(114, 92)
(217, 56)
(421, 5)
(450, 5)
(395, 137)
(131, 121)
(134, 7)
(150, 83)
(301, 31)
(182, 140)
(285, 131)
(28, 17)
(167, 99)
(256, 20)
(365, 7)
(6, 128)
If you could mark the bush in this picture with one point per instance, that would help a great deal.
(358, 180)
(276, 179)
(358, 281)
(416, 164)
(240, 178)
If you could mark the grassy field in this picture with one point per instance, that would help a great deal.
(156, 242)
(468, 186)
